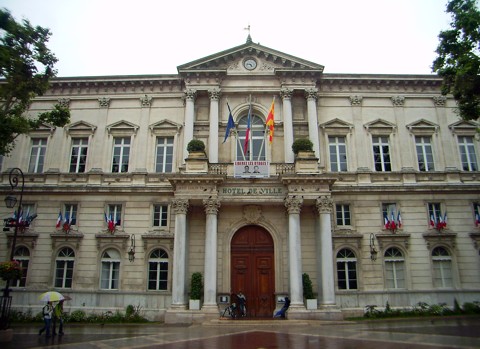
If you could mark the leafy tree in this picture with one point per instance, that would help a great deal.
(26, 67)
(458, 61)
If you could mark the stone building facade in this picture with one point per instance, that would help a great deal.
(385, 209)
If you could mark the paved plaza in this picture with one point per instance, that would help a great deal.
(458, 332)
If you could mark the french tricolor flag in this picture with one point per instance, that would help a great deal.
(59, 220)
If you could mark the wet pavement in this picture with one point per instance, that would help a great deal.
(458, 332)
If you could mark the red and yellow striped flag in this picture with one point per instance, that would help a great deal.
(270, 121)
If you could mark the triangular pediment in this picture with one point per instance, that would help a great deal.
(80, 127)
(337, 126)
(464, 127)
(43, 129)
(165, 125)
(237, 60)
(379, 126)
(122, 127)
(422, 126)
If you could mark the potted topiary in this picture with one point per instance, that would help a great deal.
(197, 160)
(305, 160)
(196, 288)
(308, 292)
(302, 145)
(196, 146)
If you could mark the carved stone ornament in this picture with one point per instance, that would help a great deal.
(252, 213)
(146, 101)
(64, 102)
(398, 101)
(211, 206)
(293, 204)
(324, 204)
(356, 100)
(311, 93)
(439, 101)
(214, 94)
(286, 93)
(104, 102)
(180, 206)
(190, 94)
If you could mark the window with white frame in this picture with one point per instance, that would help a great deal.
(64, 268)
(338, 154)
(435, 213)
(37, 155)
(255, 146)
(115, 213)
(70, 214)
(394, 268)
(346, 270)
(442, 268)
(121, 154)
(160, 215)
(158, 270)
(164, 155)
(27, 213)
(78, 155)
(342, 213)
(110, 273)
(381, 153)
(468, 155)
(423, 145)
(22, 256)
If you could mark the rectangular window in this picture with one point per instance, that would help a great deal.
(442, 272)
(395, 273)
(121, 154)
(424, 153)
(347, 275)
(160, 215)
(115, 213)
(28, 213)
(110, 275)
(70, 214)
(389, 211)
(37, 155)
(434, 212)
(164, 157)
(78, 157)
(158, 275)
(338, 154)
(64, 273)
(381, 154)
(342, 214)
(22, 282)
(467, 153)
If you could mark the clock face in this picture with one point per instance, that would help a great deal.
(250, 64)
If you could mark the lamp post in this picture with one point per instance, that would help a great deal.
(373, 250)
(16, 177)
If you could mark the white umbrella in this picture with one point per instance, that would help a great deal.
(51, 296)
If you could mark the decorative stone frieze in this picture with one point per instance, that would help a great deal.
(117, 240)
(64, 102)
(60, 238)
(356, 101)
(104, 102)
(347, 238)
(293, 204)
(252, 213)
(180, 206)
(398, 101)
(26, 238)
(311, 93)
(211, 205)
(146, 101)
(397, 239)
(442, 238)
(214, 94)
(324, 204)
(439, 101)
(286, 93)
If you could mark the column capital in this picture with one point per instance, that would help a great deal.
(311, 93)
(104, 102)
(190, 93)
(211, 205)
(324, 204)
(180, 206)
(214, 93)
(146, 101)
(286, 93)
(293, 204)
(356, 100)
(398, 101)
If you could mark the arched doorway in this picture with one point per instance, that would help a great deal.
(253, 269)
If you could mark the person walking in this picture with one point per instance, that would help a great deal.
(242, 303)
(58, 317)
(47, 312)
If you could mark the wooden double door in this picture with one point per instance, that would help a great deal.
(253, 269)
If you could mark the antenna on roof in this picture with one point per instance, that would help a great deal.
(249, 38)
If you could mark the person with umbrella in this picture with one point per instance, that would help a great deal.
(58, 316)
(47, 312)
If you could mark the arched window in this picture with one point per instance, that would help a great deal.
(110, 273)
(442, 268)
(64, 268)
(256, 145)
(346, 270)
(394, 268)
(22, 255)
(158, 270)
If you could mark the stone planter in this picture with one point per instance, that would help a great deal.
(197, 162)
(311, 304)
(194, 304)
(306, 162)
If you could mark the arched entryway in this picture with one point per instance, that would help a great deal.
(253, 269)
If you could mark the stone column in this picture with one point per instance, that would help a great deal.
(210, 284)
(286, 95)
(311, 95)
(214, 95)
(99, 159)
(294, 206)
(449, 154)
(189, 120)
(325, 206)
(142, 137)
(179, 292)
(361, 160)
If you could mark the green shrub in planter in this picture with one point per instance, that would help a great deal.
(307, 287)
(302, 144)
(195, 145)
(196, 286)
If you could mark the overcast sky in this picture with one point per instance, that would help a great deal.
(120, 37)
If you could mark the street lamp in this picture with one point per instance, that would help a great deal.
(373, 250)
(15, 176)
